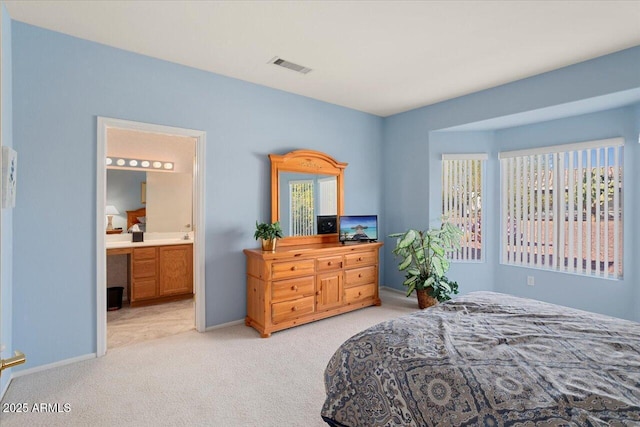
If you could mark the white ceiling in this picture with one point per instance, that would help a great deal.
(380, 57)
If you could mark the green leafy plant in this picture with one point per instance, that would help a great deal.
(268, 231)
(424, 259)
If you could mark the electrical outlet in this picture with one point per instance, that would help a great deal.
(530, 281)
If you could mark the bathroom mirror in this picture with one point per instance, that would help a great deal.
(305, 185)
(168, 199)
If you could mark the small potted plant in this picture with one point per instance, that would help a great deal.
(269, 234)
(425, 263)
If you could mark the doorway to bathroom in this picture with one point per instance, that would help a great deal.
(150, 186)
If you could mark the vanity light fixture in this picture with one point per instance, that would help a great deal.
(138, 164)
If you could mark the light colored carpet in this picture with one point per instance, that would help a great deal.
(226, 377)
(131, 325)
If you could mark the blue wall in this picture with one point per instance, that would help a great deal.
(413, 142)
(636, 208)
(613, 297)
(6, 234)
(610, 297)
(482, 271)
(61, 84)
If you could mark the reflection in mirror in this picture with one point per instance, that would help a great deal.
(303, 198)
(168, 199)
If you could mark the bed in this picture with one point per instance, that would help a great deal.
(488, 359)
(138, 216)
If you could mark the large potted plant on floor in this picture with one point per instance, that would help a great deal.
(425, 262)
(269, 233)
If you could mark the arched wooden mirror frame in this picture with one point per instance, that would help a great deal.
(312, 162)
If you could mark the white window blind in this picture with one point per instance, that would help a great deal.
(462, 177)
(328, 196)
(562, 207)
(301, 210)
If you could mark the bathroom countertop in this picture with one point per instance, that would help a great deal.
(153, 242)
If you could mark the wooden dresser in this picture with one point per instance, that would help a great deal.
(300, 284)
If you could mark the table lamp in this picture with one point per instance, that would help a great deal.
(111, 211)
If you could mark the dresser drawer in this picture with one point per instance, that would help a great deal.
(144, 253)
(143, 289)
(287, 310)
(283, 290)
(362, 258)
(360, 276)
(284, 270)
(359, 293)
(144, 268)
(330, 263)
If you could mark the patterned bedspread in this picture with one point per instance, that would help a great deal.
(488, 359)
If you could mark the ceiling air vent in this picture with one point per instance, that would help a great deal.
(290, 65)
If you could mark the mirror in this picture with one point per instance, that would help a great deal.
(165, 163)
(306, 196)
(168, 199)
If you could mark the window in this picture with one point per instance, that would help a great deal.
(462, 176)
(562, 207)
(302, 208)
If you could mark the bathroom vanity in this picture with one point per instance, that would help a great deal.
(158, 271)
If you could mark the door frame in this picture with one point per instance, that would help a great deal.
(103, 124)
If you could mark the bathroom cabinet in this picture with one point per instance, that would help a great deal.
(158, 274)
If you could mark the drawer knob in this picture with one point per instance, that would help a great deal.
(359, 274)
(294, 308)
(317, 292)
(359, 258)
(359, 293)
(293, 268)
(330, 263)
(294, 288)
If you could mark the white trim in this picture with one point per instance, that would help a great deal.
(58, 364)
(101, 258)
(398, 291)
(198, 219)
(601, 143)
(465, 156)
(3, 346)
(224, 325)
(6, 387)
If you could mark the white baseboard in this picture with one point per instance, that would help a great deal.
(399, 291)
(58, 364)
(224, 325)
(6, 387)
(237, 322)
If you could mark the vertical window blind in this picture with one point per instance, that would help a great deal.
(561, 207)
(301, 208)
(462, 178)
(328, 196)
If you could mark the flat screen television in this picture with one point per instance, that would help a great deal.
(358, 228)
